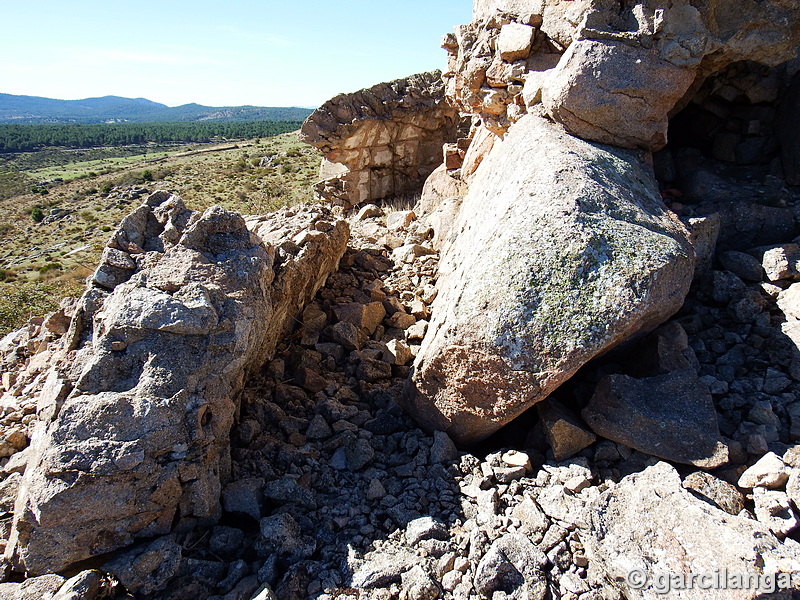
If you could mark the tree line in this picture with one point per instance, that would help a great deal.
(28, 138)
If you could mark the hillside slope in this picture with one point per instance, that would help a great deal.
(35, 109)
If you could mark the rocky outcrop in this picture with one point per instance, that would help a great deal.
(624, 69)
(382, 141)
(140, 402)
(563, 249)
(648, 527)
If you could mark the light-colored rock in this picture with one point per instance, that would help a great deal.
(703, 233)
(671, 416)
(514, 41)
(614, 93)
(145, 432)
(400, 219)
(774, 510)
(512, 564)
(649, 524)
(782, 262)
(769, 472)
(550, 268)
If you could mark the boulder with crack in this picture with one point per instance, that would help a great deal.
(183, 307)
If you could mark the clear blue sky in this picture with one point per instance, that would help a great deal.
(265, 53)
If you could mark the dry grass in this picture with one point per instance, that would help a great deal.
(226, 174)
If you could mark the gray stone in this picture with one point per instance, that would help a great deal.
(443, 450)
(670, 416)
(425, 528)
(588, 270)
(282, 535)
(147, 429)
(286, 490)
(382, 569)
(147, 569)
(35, 588)
(742, 265)
(86, 585)
(512, 565)
(649, 523)
(244, 496)
(630, 108)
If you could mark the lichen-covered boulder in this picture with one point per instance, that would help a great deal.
(562, 250)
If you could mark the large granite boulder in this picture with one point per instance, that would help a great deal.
(648, 528)
(562, 250)
(139, 405)
(382, 141)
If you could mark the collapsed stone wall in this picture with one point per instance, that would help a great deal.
(382, 141)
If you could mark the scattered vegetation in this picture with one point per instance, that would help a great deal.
(52, 241)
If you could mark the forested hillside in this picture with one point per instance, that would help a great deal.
(26, 138)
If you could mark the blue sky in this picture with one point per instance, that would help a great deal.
(267, 53)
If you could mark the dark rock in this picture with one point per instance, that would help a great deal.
(244, 497)
(148, 568)
(742, 265)
(670, 416)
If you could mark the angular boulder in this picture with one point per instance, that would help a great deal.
(382, 141)
(615, 93)
(154, 365)
(670, 416)
(562, 250)
(648, 527)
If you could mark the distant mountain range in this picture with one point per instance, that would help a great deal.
(35, 109)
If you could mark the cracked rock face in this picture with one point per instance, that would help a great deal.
(382, 141)
(157, 353)
(563, 249)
